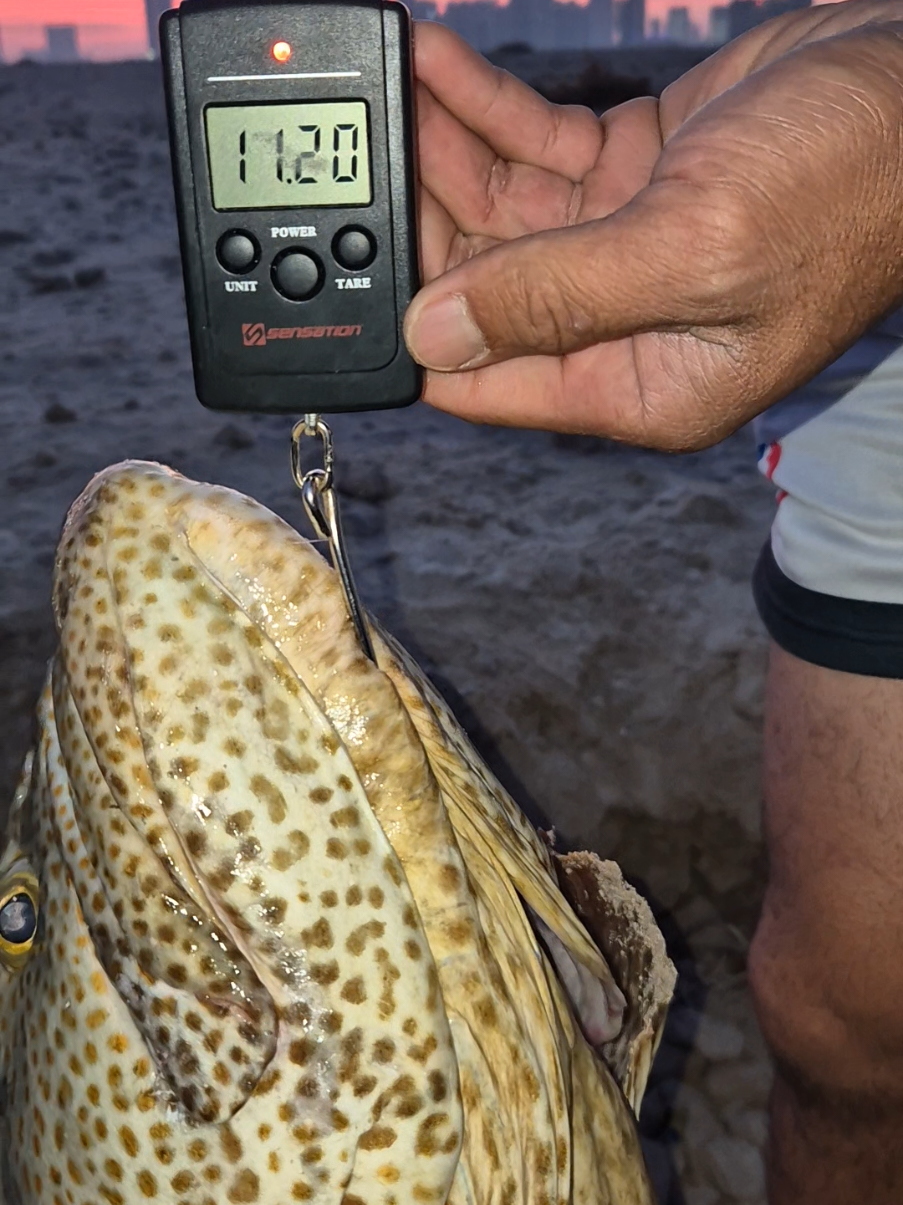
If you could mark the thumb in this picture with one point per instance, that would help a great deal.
(664, 261)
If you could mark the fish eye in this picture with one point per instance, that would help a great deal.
(18, 920)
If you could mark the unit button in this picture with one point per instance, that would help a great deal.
(238, 251)
(354, 248)
(297, 275)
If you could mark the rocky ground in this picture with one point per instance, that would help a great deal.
(585, 608)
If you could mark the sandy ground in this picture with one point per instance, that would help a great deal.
(585, 608)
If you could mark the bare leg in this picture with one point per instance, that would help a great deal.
(826, 967)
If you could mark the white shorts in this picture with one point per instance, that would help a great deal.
(829, 584)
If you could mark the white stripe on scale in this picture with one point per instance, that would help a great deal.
(223, 79)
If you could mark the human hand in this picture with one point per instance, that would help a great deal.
(665, 273)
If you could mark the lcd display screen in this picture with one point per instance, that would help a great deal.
(289, 156)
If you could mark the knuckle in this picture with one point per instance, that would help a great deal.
(562, 120)
(497, 186)
(547, 312)
(726, 254)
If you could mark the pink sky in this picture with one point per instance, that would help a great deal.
(113, 28)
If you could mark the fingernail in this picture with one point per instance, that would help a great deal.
(444, 336)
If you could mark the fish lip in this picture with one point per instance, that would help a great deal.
(58, 595)
(86, 497)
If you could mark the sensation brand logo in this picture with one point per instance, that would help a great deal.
(255, 334)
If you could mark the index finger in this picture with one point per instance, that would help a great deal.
(516, 122)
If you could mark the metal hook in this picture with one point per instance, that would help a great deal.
(314, 427)
(322, 506)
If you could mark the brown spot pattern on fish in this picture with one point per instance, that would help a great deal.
(258, 981)
(178, 825)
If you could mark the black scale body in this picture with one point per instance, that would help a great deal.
(296, 300)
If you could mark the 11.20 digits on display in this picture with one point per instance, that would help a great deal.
(264, 157)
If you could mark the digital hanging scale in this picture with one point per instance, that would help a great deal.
(293, 145)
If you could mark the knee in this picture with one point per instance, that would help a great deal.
(830, 1008)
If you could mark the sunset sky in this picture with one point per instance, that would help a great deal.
(115, 28)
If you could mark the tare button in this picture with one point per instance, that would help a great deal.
(354, 248)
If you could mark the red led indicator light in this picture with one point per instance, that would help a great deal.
(282, 52)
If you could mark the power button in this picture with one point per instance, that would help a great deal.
(297, 274)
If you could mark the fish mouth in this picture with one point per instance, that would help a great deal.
(197, 763)
(167, 943)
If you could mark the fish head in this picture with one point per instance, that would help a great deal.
(212, 968)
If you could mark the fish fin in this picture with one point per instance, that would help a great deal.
(481, 810)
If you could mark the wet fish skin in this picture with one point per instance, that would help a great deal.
(284, 955)
(213, 1012)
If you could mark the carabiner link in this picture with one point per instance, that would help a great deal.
(322, 506)
(314, 427)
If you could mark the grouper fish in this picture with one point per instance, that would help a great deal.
(270, 931)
